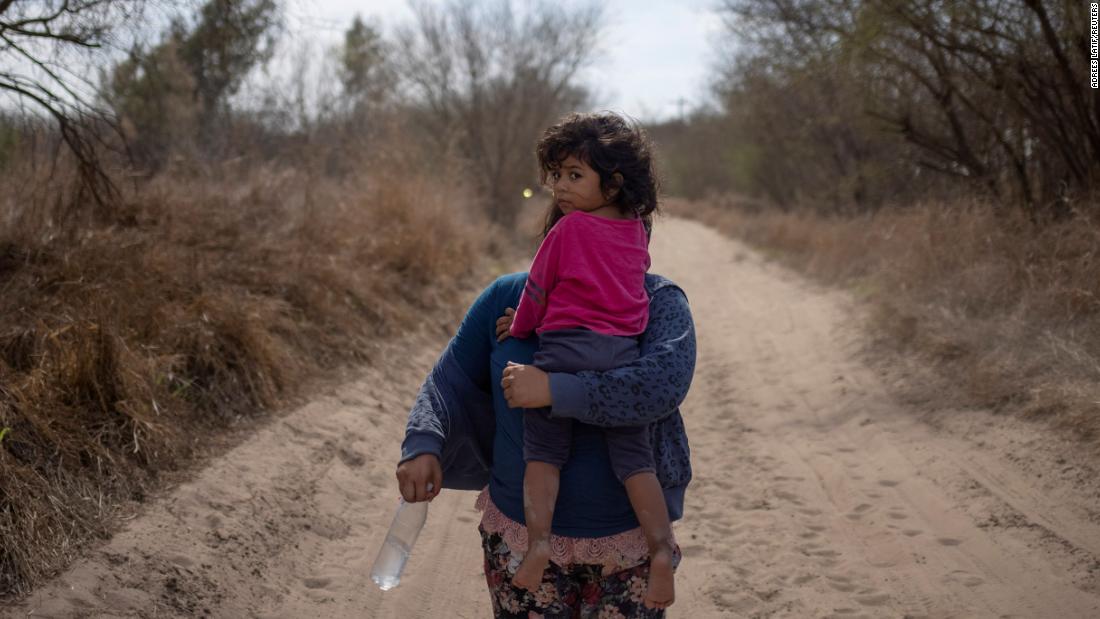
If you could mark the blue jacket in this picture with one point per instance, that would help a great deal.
(460, 416)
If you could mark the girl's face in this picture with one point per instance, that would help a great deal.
(576, 186)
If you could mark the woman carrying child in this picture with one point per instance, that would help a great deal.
(615, 354)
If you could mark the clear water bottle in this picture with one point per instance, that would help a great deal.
(404, 529)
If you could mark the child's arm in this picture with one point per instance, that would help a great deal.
(541, 279)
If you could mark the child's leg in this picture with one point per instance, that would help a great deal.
(546, 444)
(540, 492)
(632, 459)
(546, 441)
(649, 505)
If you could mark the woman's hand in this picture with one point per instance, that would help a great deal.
(414, 476)
(504, 323)
(525, 386)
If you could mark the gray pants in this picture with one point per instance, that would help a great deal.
(547, 439)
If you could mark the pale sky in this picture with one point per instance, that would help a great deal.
(654, 52)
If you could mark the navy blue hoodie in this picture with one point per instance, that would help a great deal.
(460, 414)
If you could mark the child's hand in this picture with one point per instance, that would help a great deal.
(504, 323)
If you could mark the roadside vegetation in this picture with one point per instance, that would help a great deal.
(201, 223)
(1007, 316)
(940, 159)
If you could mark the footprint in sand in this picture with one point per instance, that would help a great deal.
(842, 586)
(888, 483)
(724, 556)
(721, 529)
(329, 527)
(316, 583)
(723, 484)
(351, 458)
(127, 599)
(788, 496)
(741, 604)
(181, 561)
(858, 511)
(691, 550)
(873, 599)
(912, 532)
(948, 541)
(964, 578)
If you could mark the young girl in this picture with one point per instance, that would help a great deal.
(586, 300)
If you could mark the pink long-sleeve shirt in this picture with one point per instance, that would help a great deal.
(589, 272)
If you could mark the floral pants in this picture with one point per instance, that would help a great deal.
(578, 591)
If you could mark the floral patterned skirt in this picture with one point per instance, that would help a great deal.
(611, 586)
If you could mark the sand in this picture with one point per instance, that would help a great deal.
(817, 492)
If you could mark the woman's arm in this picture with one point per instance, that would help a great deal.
(644, 391)
(452, 412)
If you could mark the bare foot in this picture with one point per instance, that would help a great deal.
(529, 574)
(661, 592)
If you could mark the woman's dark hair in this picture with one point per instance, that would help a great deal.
(610, 145)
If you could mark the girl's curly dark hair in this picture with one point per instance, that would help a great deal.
(610, 145)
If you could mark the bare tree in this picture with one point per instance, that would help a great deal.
(990, 93)
(795, 104)
(153, 94)
(365, 67)
(489, 80)
(41, 44)
(175, 93)
(229, 39)
(1008, 81)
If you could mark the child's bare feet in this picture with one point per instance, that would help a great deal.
(661, 592)
(529, 574)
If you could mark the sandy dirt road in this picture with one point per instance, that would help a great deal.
(816, 493)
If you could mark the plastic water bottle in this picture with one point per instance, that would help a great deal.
(404, 529)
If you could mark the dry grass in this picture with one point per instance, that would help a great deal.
(125, 350)
(1005, 311)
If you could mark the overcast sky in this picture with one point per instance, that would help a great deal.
(654, 52)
